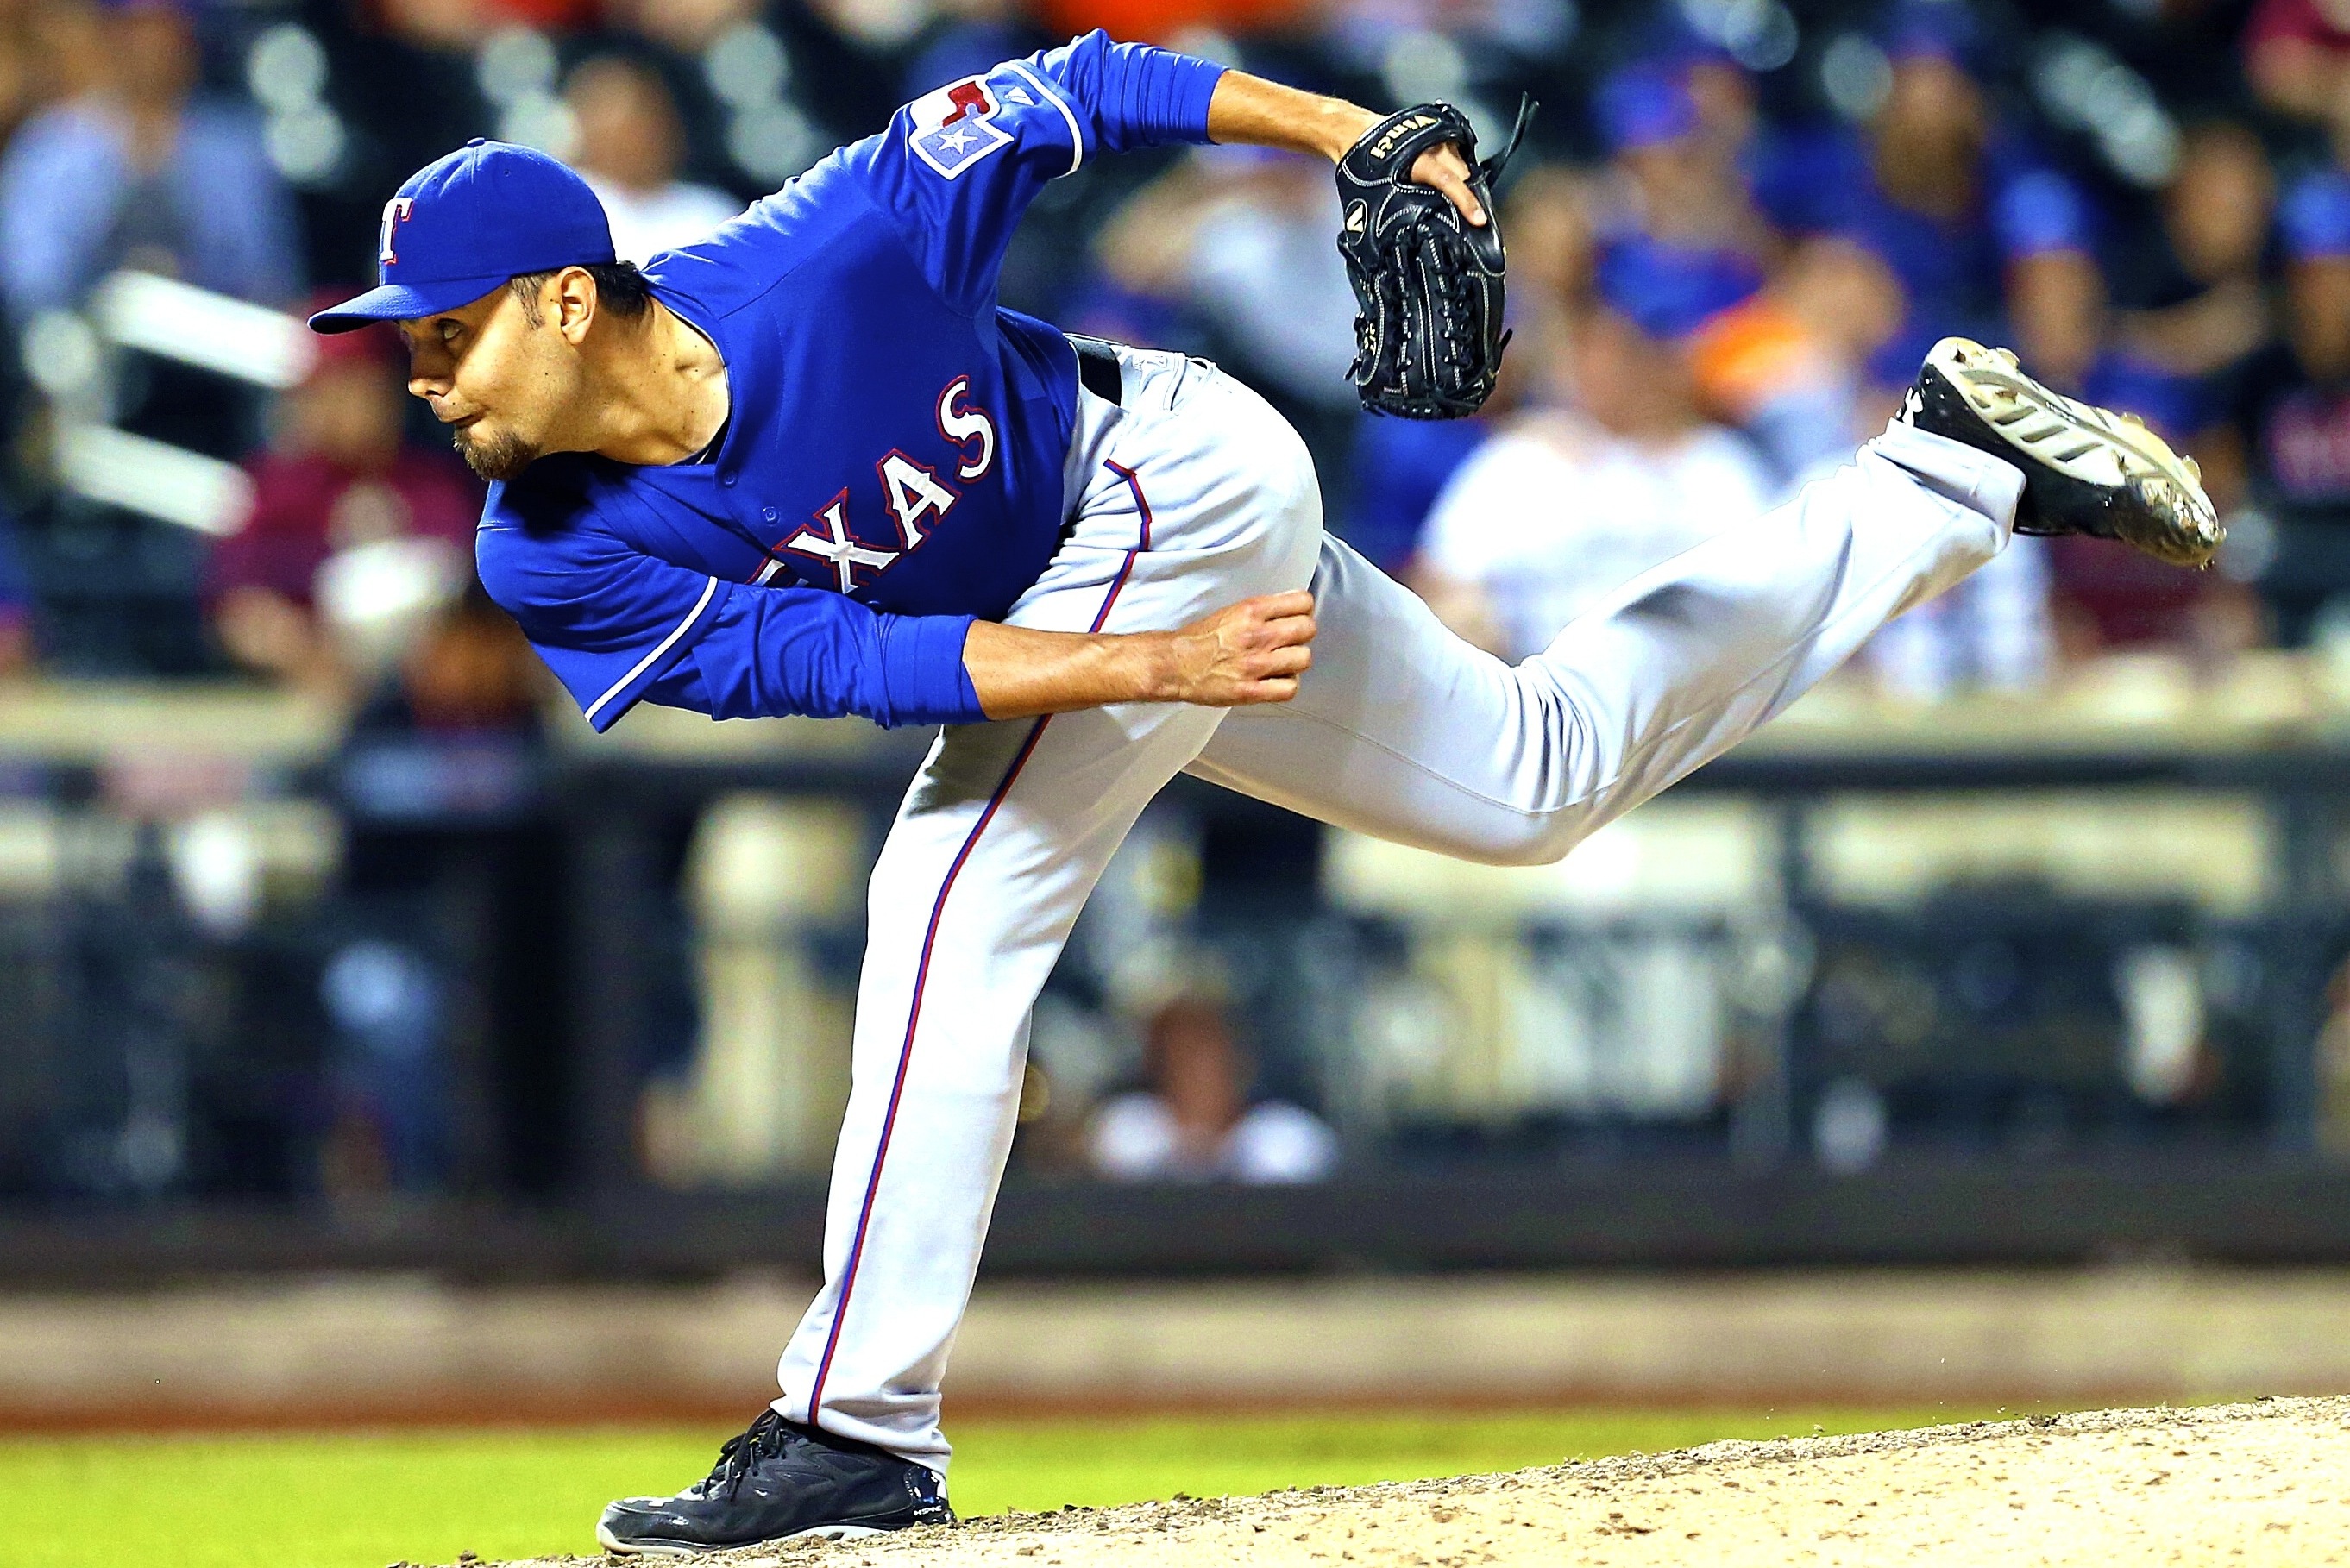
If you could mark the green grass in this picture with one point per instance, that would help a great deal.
(364, 1500)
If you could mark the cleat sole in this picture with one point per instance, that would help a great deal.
(2156, 498)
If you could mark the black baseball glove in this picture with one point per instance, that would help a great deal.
(1428, 342)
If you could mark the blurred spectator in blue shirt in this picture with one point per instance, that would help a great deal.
(2194, 300)
(1682, 201)
(2194, 308)
(143, 173)
(1729, 107)
(2293, 421)
(15, 605)
(1987, 242)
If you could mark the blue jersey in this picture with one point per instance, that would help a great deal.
(892, 463)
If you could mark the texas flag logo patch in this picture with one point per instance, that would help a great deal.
(953, 127)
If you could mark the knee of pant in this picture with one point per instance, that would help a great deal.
(1524, 838)
(1542, 844)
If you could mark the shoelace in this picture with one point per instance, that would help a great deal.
(766, 1439)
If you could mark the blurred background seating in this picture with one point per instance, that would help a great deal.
(310, 892)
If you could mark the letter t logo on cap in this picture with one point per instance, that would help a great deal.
(395, 212)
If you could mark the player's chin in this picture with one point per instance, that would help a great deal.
(493, 454)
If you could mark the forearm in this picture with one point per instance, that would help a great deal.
(1020, 673)
(1250, 111)
(1253, 652)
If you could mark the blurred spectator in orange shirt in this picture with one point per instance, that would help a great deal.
(461, 24)
(1791, 366)
(342, 509)
(1160, 21)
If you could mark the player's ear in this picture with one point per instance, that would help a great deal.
(574, 303)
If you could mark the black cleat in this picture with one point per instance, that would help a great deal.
(2086, 470)
(779, 1481)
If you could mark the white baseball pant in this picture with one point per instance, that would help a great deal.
(1193, 495)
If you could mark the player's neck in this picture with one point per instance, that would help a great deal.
(659, 392)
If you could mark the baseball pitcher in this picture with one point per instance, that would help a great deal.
(808, 465)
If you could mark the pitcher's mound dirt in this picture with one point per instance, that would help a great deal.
(2246, 1484)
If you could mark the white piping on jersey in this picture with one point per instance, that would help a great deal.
(766, 574)
(1076, 137)
(709, 587)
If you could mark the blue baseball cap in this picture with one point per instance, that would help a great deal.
(1643, 105)
(1943, 30)
(2314, 217)
(465, 223)
(1668, 291)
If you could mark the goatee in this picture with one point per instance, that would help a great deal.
(499, 456)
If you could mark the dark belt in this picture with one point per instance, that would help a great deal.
(1097, 368)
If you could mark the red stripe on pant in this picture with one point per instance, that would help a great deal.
(922, 971)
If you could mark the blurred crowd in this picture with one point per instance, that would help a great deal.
(1738, 225)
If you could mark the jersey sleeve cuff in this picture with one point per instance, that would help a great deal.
(603, 709)
(923, 675)
(1186, 86)
(1161, 97)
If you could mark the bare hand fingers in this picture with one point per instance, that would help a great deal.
(1289, 630)
(1441, 168)
(1277, 689)
(1293, 660)
(1273, 606)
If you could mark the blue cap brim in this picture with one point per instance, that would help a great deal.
(400, 302)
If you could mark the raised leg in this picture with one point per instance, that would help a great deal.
(1404, 731)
